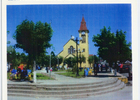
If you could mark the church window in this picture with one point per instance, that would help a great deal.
(84, 62)
(71, 50)
(83, 39)
(68, 50)
(83, 50)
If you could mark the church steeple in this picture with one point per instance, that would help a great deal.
(83, 26)
(83, 45)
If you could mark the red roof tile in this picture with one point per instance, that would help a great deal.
(83, 26)
(91, 55)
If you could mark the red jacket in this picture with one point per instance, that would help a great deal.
(121, 65)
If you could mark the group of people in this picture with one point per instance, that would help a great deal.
(98, 66)
(48, 69)
(21, 73)
(38, 68)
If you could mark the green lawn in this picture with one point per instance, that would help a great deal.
(81, 74)
(8, 75)
(60, 71)
(40, 76)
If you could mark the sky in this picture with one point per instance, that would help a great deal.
(66, 19)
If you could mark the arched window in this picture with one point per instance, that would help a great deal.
(71, 50)
(83, 50)
(68, 50)
(83, 39)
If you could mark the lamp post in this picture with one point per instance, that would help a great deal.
(50, 51)
(77, 56)
(9, 59)
(76, 40)
(57, 60)
(50, 63)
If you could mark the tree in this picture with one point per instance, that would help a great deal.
(70, 61)
(24, 58)
(13, 57)
(42, 59)
(90, 60)
(81, 59)
(53, 59)
(33, 38)
(124, 52)
(8, 42)
(96, 59)
(60, 59)
(112, 47)
(10, 49)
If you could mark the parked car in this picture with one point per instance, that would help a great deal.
(125, 69)
(104, 67)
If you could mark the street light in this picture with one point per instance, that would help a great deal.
(76, 40)
(50, 51)
(50, 62)
(9, 59)
(57, 61)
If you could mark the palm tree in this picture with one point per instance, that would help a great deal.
(90, 60)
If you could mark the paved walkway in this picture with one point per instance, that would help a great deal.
(124, 94)
(60, 79)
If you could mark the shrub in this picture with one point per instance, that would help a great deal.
(55, 69)
(74, 69)
(68, 70)
(62, 68)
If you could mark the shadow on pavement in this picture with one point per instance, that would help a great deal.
(101, 76)
(104, 72)
(21, 81)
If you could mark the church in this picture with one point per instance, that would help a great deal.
(69, 49)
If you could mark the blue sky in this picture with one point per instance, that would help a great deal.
(66, 20)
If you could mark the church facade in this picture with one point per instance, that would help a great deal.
(69, 49)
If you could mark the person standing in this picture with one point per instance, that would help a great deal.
(85, 72)
(99, 65)
(19, 73)
(47, 69)
(95, 68)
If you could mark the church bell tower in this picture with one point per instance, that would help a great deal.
(84, 45)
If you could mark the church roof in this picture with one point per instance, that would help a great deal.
(83, 26)
(69, 40)
(91, 55)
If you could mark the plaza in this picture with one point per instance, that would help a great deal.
(94, 87)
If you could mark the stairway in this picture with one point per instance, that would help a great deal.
(67, 90)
